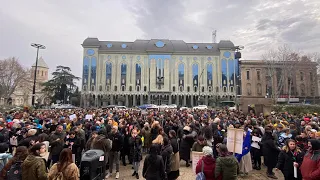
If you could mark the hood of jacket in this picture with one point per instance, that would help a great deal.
(229, 161)
(208, 160)
(31, 160)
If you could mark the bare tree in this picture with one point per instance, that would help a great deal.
(280, 70)
(11, 74)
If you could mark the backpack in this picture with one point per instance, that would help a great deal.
(15, 171)
(200, 175)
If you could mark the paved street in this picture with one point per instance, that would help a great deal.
(187, 174)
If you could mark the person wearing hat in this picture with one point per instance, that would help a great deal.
(207, 164)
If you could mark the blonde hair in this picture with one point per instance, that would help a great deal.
(286, 147)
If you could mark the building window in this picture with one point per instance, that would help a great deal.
(108, 88)
(210, 89)
(123, 88)
(258, 75)
(224, 89)
(84, 88)
(138, 74)
(248, 75)
(138, 88)
(209, 74)
(100, 88)
(181, 74)
(195, 74)
(130, 88)
(92, 88)
(173, 88)
(224, 71)
(195, 88)
(145, 88)
(108, 73)
(93, 70)
(202, 89)
(115, 88)
(123, 74)
(181, 88)
(231, 89)
(301, 76)
(217, 89)
(41, 73)
(188, 88)
(259, 89)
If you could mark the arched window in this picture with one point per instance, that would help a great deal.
(84, 88)
(108, 73)
(195, 74)
(224, 71)
(209, 74)
(115, 88)
(85, 72)
(188, 88)
(130, 88)
(123, 88)
(181, 74)
(123, 74)
(202, 89)
(195, 88)
(100, 88)
(138, 88)
(108, 88)
(224, 89)
(145, 88)
(173, 88)
(93, 70)
(181, 88)
(92, 88)
(138, 74)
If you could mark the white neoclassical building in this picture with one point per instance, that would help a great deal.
(158, 71)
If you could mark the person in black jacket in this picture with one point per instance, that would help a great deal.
(56, 142)
(153, 166)
(166, 152)
(74, 143)
(289, 157)
(135, 144)
(114, 154)
(270, 153)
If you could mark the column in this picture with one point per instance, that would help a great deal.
(206, 100)
(184, 100)
(134, 103)
(149, 100)
(111, 100)
(177, 100)
(170, 99)
(191, 97)
(127, 101)
(141, 100)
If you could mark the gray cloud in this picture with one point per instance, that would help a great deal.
(62, 25)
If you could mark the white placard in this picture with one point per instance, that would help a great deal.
(235, 140)
(101, 158)
(196, 156)
(88, 116)
(73, 116)
(255, 138)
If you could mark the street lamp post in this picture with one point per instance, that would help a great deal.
(199, 88)
(38, 46)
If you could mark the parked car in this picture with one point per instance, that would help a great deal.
(200, 107)
(172, 106)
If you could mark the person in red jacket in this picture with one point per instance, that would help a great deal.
(209, 163)
(310, 168)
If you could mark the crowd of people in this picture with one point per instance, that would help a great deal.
(281, 141)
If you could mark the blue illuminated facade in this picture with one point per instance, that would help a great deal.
(93, 71)
(209, 74)
(85, 72)
(158, 71)
(108, 73)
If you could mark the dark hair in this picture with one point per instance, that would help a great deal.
(65, 159)
(223, 150)
(173, 133)
(165, 141)
(72, 132)
(160, 130)
(43, 137)
(21, 154)
(3, 147)
(33, 150)
(153, 153)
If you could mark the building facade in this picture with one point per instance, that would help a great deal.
(158, 71)
(22, 95)
(264, 83)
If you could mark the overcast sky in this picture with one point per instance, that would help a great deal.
(62, 25)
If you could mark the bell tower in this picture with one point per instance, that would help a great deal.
(42, 70)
